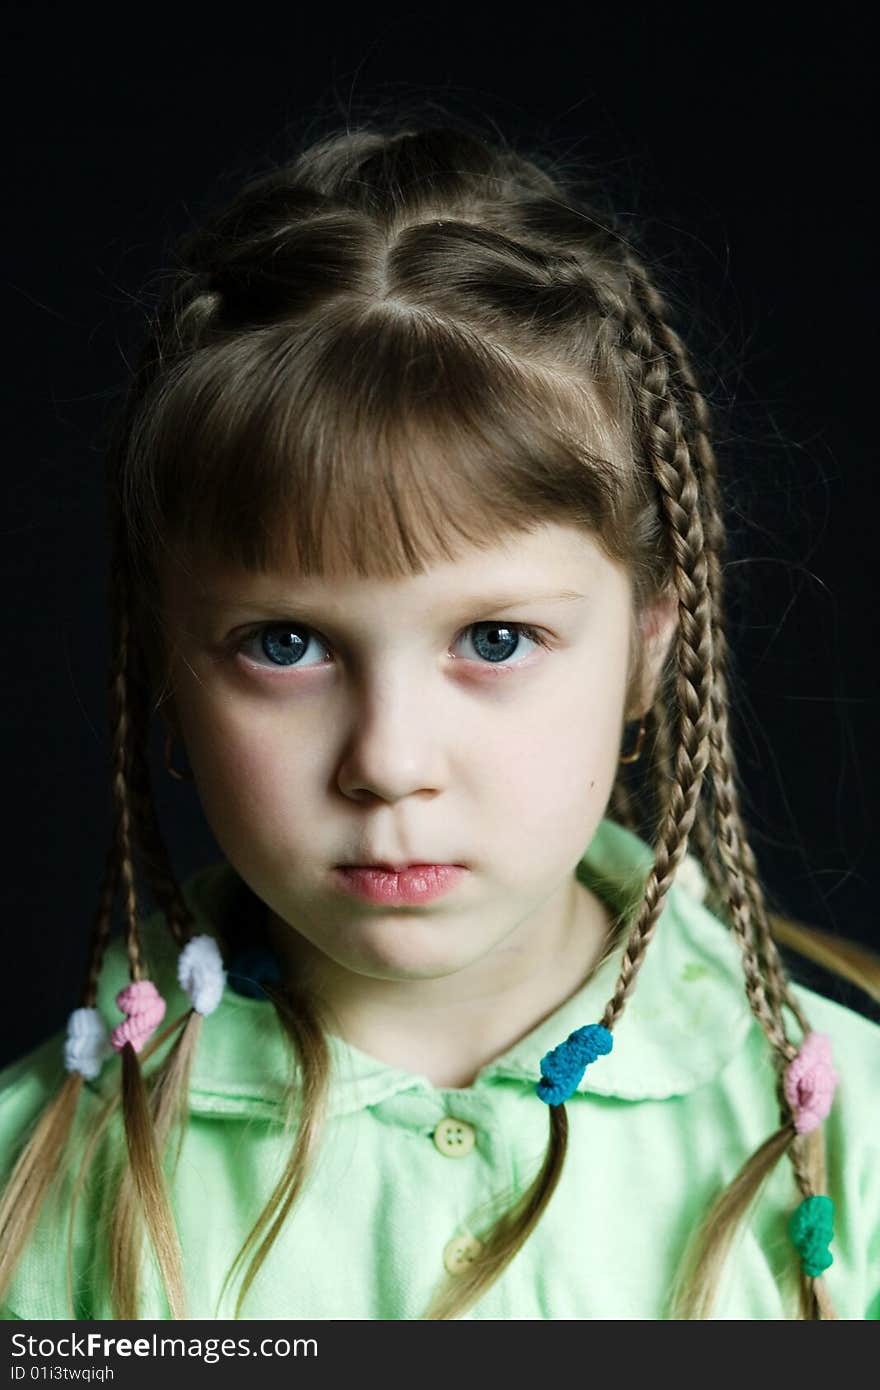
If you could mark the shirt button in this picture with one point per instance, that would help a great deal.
(454, 1138)
(459, 1252)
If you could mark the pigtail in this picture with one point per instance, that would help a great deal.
(738, 888)
(694, 681)
(201, 975)
(45, 1156)
(695, 1287)
(134, 1199)
(497, 1247)
(306, 1102)
(732, 842)
(693, 1291)
(563, 1067)
(744, 899)
(170, 1084)
(142, 1004)
(98, 1129)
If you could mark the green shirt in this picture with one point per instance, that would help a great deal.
(656, 1128)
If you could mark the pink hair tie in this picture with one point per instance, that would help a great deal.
(810, 1082)
(144, 1008)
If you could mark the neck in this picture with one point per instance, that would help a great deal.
(448, 1028)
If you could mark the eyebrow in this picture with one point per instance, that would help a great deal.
(310, 608)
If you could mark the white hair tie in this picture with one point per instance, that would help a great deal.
(87, 1045)
(200, 972)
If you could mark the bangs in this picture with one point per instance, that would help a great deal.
(377, 444)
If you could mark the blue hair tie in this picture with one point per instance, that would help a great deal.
(563, 1067)
(811, 1229)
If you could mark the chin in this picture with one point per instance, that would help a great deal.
(403, 965)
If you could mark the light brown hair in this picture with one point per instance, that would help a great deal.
(408, 337)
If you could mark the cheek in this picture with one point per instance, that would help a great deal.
(250, 781)
(557, 769)
(562, 769)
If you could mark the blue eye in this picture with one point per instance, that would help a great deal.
(285, 644)
(496, 641)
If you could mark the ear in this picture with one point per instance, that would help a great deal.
(658, 625)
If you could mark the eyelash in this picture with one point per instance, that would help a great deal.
(534, 634)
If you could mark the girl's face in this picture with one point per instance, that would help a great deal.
(470, 715)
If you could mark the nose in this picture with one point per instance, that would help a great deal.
(394, 747)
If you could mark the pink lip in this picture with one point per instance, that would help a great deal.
(419, 883)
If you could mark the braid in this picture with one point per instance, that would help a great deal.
(121, 762)
(767, 947)
(766, 985)
(762, 988)
(45, 1155)
(46, 1151)
(694, 681)
(731, 834)
(143, 1178)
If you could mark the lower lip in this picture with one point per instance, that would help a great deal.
(418, 884)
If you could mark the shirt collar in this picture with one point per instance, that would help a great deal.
(686, 1018)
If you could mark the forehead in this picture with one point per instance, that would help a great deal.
(550, 557)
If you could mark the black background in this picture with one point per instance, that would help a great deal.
(743, 150)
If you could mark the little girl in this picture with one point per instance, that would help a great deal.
(417, 554)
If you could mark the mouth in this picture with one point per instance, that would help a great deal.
(389, 866)
(411, 885)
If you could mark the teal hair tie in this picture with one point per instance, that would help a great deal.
(812, 1229)
(563, 1067)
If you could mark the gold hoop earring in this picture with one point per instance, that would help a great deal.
(180, 776)
(634, 756)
